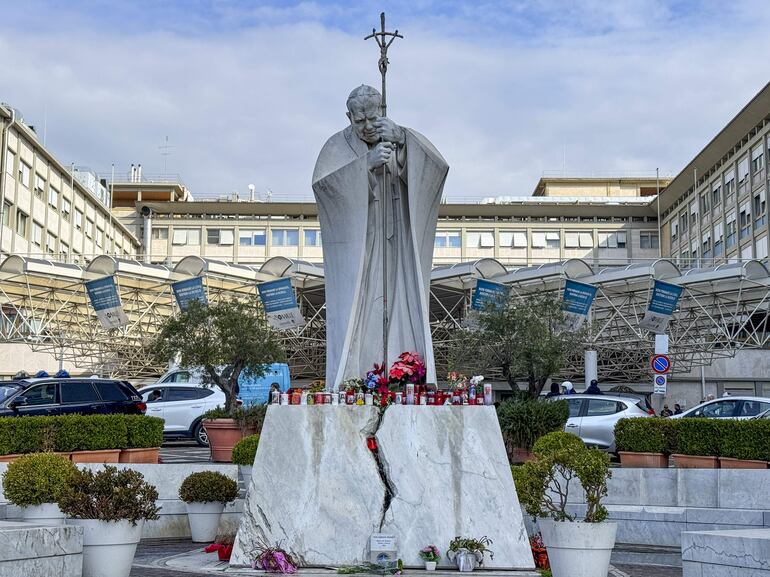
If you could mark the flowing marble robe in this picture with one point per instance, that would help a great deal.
(349, 199)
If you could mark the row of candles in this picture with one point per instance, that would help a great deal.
(413, 395)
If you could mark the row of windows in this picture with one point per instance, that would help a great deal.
(758, 205)
(246, 237)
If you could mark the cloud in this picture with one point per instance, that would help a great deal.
(248, 93)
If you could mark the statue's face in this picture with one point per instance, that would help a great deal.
(362, 119)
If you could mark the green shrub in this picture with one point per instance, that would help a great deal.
(37, 479)
(208, 487)
(543, 483)
(745, 439)
(245, 450)
(20, 435)
(110, 495)
(699, 436)
(252, 417)
(523, 422)
(91, 432)
(645, 435)
(143, 432)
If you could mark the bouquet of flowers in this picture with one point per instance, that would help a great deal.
(457, 381)
(409, 368)
(430, 553)
(272, 559)
(477, 380)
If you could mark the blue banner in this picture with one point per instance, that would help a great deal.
(280, 304)
(665, 297)
(487, 293)
(104, 297)
(187, 291)
(578, 297)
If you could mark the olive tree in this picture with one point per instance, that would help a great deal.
(526, 337)
(226, 339)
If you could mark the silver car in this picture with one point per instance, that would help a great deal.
(728, 408)
(593, 417)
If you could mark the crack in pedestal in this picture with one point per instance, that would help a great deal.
(382, 467)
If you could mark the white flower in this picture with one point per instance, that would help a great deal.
(477, 379)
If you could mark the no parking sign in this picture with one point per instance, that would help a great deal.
(659, 384)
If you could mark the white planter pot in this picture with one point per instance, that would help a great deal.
(430, 565)
(577, 549)
(204, 520)
(465, 560)
(45, 514)
(246, 475)
(108, 546)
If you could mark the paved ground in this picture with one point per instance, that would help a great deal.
(184, 451)
(148, 563)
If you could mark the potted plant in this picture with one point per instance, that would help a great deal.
(92, 438)
(644, 442)
(523, 421)
(145, 436)
(223, 545)
(467, 553)
(227, 339)
(430, 555)
(575, 548)
(230, 427)
(244, 453)
(744, 444)
(111, 505)
(34, 482)
(206, 494)
(697, 444)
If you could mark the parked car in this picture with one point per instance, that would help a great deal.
(593, 417)
(182, 406)
(252, 390)
(728, 408)
(63, 396)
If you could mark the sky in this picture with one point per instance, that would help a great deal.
(247, 92)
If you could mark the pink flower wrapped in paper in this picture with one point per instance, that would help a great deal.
(409, 368)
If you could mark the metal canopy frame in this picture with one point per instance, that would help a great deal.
(44, 304)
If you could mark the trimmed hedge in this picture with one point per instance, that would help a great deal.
(37, 479)
(67, 433)
(245, 450)
(748, 440)
(522, 422)
(208, 487)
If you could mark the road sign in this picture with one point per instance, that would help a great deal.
(660, 364)
(659, 384)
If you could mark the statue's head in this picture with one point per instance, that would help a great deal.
(363, 109)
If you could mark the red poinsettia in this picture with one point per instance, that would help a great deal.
(409, 368)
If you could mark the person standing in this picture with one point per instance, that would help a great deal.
(554, 392)
(678, 409)
(567, 388)
(666, 412)
(593, 388)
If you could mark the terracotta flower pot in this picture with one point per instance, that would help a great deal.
(643, 460)
(223, 436)
(695, 462)
(8, 458)
(139, 455)
(729, 463)
(101, 456)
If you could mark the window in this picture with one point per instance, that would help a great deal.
(112, 391)
(759, 209)
(186, 237)
(674, 229)
(64, 250)
(718, 240)
(447, 239)
(39, 185)
(578, 240)
(7, 213)
(745, 220)
(719, 409)
(574, 406)
(513, 238)
(704, 202)
(219, 236)
(66, 208)
(44, 394)
(731, 229)
(99, 237)
(89, 228)
(78, 392)
(757, 159)
(285, 237)
(729, 184)
(649, 239)
(37, 234)
(716, 194)
(53, 197)
(78, 219)
(600, 408)
(743, 169)
(683, 221)
(312, 237)
(251, 237)
(160, 233)
(178, 377)
(612, 239)
(693, 215)
(10, 158)
(706, 249)
(182, 394)
(24, 174)
(21, 223)
(50, 243)
(753, 408)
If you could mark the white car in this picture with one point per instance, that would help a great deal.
(728, 408)
(593, 417)
(182, 406)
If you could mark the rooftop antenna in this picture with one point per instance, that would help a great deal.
(269, 194)
(165, 152)
(252, 190)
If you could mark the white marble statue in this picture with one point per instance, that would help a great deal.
(348, 187)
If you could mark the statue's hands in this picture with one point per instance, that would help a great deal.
(389, 131)
(379, 155)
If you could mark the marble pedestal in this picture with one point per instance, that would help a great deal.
(317, 491)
